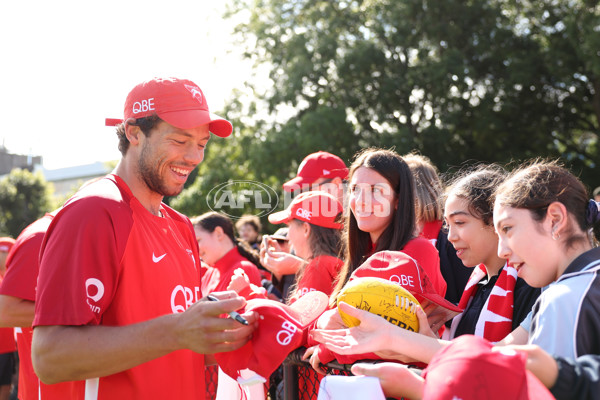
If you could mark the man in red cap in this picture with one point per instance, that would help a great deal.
(116, 311)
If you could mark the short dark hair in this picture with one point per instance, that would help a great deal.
(146, 125)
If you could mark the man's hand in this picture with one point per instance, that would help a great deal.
(203, 329)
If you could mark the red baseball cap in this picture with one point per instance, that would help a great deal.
(179, 102)
(317, 208)
(6, 243)
(317, 165)
(469, 369)
(401, 269)
(281, 329)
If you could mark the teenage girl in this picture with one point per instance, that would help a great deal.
(495, 301)
(222, 252)
(380, 216)
(545, 221)
(313, 220)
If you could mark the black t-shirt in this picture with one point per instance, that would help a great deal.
(523, 300)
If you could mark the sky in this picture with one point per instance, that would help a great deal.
(65, 66)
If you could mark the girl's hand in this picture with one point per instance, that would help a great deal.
(370, 336)
(239, 281)
(315, 362)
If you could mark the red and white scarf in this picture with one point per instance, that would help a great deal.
(495, 320)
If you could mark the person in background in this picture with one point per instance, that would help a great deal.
(314, 227)
(7, 338)
(279, 284)
(429, 192)
(249, 229)
(223, 252)
(17, 305)
(117, 312)
(596, 194)
(320, 171)
(281, 237)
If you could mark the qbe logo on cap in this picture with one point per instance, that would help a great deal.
(143, 106)
(302, 213)
(285, 336)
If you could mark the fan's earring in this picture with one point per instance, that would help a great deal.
(555, 236)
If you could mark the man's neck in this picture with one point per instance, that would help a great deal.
(148, 198)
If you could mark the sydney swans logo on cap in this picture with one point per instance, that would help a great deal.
(195, 91)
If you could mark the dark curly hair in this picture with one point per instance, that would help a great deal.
(146, 125)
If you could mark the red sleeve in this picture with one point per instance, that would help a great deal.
(22, 264)
(86, 238)
(219, 280)
(251, 271)
(319, 275)
(251, 292)
(428, 258)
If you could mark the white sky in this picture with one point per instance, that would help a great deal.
(66, 65)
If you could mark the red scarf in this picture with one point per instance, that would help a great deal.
(495, 320)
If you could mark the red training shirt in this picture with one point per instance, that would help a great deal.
(106, 260)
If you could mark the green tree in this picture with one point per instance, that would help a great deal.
(460, 81)
(24, 197)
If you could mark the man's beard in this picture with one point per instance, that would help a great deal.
(149, 173)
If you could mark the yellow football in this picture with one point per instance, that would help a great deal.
(383, 298)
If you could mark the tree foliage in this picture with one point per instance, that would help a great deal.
(460, 81)
(24, 197)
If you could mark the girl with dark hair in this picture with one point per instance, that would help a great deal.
(548, 228)
(381, 216)
(223, 252)
(493, 289)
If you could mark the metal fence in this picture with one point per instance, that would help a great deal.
(294, 380)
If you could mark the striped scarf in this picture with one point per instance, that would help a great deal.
(495, 320)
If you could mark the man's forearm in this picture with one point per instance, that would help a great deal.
(16, 312)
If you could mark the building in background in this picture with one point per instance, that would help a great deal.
(9, 161)
(64, 180)
(69, 179)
